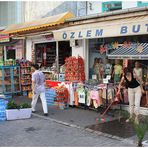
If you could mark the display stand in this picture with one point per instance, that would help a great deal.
(25, 78)
(10, 80)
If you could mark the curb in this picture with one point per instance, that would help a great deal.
(98, 133)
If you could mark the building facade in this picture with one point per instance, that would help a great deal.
(14, 12)
(11, 12)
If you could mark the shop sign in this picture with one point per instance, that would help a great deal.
(4, 38)
(102, 31)
(49, 37)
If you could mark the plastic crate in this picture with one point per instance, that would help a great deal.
(3, 105)
(8, 97)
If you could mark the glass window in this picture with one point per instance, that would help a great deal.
(111, 6)
(142, 4)
(10, 54)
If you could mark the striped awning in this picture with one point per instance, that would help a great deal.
(38, 24)
(136, 51)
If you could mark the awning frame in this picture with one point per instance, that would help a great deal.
(38, 24)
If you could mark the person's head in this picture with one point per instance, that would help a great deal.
(117, 61)
(137, 64)
(96, 60)
(127, 72)
(35, 67)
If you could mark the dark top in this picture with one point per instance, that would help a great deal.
(133, 83)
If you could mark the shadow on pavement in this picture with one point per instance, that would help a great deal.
(120, 129)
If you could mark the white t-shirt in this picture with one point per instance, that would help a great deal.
(39, 79)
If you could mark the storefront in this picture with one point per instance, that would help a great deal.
(115, 36)
(33, 42)
(14, 50)
(11, 48)
(47, 51)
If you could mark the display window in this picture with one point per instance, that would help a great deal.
(46, 53)
(100, 65)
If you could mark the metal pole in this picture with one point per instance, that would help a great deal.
(57, 56)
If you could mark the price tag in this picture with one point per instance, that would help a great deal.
(108, 77)
(94, 77)
(105, 81)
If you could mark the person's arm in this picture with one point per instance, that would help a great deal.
(121, 82)
(33, 83)
(113, 71)
(33, 86)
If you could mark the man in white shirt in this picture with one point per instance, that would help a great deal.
(38, 88)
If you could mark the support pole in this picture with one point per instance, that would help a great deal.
(57, 56)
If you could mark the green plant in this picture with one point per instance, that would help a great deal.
(140, 130)
(12, 105)
(25, 105)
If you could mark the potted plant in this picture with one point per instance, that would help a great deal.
(140, 130)
(15, 111)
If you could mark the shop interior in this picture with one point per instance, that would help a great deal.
(97, 50)
(45, 56)
(46, 53)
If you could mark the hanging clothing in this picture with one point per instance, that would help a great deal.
(71, 93)
(88, 100)
(94, 94)
(117, 72)
(107, 69)
(81, 95)
(97, 70)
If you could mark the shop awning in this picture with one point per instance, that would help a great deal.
(40, 23)
(139, 51)
(112, 28)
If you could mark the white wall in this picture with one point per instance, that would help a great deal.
(78, 50)
(129, 4)
(28, 49)
(94, 7)
(37, 9)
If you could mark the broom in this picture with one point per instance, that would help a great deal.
(101, 119)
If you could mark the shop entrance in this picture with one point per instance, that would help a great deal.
(64, 51)
(45, 53)
(10, 54)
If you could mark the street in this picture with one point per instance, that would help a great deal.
(41, 131)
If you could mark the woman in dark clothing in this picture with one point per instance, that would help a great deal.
(134, 93)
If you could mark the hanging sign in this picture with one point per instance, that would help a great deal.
(49, 37)
(4, 38)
